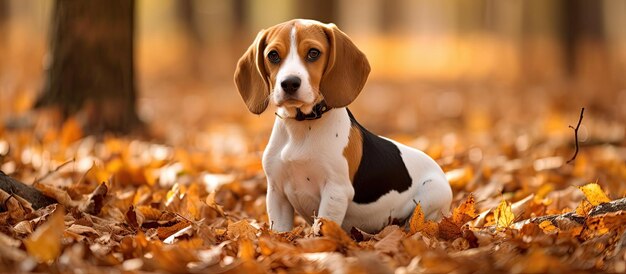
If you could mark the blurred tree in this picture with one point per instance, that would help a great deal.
(91, 67)
(581, 21)
(322, 10)
(187, 17)
(4, 19)
(4, 11)
(239, 13)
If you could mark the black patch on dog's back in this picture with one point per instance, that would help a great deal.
(381, 169)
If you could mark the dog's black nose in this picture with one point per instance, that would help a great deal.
(291, 84)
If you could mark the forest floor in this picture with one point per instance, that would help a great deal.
(194, 201)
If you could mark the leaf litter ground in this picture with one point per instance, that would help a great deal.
(134, 205)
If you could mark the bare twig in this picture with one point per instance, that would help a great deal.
(576, 134)
(37, 180)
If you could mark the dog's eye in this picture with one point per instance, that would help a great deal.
(313, 55)
(273, 57)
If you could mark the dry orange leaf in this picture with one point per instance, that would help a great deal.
(334, 231)
(317, 244)
(246, 250)
(602, 224)
(465, 212)
(594, 194)
(503, 215)
(149, 213)
(58, 194)
(45, 243)
(241, 229)
(167, 231)
(547, 226)
(583, 208)
(419, 224)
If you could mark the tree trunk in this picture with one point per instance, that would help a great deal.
(91, 70)
(4, 20)
(322, 10)
(581, 20)
(187, 17)
(4, 12)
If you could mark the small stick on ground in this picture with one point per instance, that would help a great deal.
(576, 134)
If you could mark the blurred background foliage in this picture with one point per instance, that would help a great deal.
(437, 66)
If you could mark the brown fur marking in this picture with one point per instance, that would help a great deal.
(353, 151)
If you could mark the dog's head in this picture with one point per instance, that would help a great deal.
(299, 63)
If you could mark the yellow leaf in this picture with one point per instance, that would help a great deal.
(547, 226)
(419, 224)
(45, 243)
(503, 215)
(594, 194)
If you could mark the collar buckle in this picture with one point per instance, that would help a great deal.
(319, 109)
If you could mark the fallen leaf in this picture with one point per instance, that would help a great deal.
(241, 229)
(166, 231)
(58, 194)
(82, 230)
(149, 213)
(448, 229)
(246, 250)
(419, 224)
(317, 244)
(583, 208)
(594, 194)
(187, 230)
(465, 212)
(547, 226)
(134, 217)
(602, 224)
(451, 228)
(334, 231)
(391, 242)
(95, 202)
(503, 215)
(23, 227)
(45, 243)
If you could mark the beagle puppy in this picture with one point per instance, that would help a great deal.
(320, 162)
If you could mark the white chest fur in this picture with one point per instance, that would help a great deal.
(303, 156)
(307, 172)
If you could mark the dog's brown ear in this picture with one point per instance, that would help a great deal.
(251, 78)
(346, 71)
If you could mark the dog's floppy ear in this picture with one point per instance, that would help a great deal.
(346, 71)
(251, 78)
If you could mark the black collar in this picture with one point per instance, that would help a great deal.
(319, 109)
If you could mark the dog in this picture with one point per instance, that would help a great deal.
(320, 162)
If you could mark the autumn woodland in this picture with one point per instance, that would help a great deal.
(126, 148)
